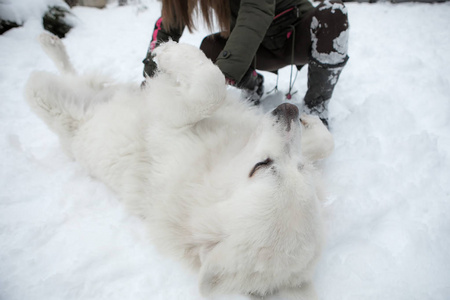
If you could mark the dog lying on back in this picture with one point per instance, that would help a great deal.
(225, 188)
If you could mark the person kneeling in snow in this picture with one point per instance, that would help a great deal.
(265, 35)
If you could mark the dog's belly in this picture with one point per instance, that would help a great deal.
(111, 145)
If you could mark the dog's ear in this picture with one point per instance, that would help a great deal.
(216, 272)
(317, 141)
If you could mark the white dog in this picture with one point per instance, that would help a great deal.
(229, 190)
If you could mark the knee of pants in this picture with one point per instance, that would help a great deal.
(206, 42)
(212, 45)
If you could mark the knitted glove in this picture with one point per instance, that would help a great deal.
(150, 66)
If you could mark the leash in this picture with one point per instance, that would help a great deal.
(291, 83)
(289, 94)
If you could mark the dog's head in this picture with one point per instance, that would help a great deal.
(270, 219)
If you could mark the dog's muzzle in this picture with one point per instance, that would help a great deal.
(286, 113)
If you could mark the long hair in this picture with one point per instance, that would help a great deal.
(180, 13)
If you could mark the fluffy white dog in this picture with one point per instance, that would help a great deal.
(229, 190)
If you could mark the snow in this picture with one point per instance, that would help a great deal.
(64, 235)
(19, 11)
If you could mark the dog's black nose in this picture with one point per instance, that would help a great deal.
(286, 112)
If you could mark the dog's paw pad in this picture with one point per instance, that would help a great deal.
(49, 39)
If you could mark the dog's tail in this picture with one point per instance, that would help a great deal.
(56, 50)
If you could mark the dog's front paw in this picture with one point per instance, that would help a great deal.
(189, 66)
(195, 83)
(181, 59)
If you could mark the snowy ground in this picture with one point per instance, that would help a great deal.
(65, 236)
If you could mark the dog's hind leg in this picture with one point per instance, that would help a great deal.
(60, 105)
(55, 49)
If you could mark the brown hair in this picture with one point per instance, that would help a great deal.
(179, 13)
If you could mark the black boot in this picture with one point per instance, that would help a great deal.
(322, 79)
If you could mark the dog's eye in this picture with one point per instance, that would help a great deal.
(261, 164)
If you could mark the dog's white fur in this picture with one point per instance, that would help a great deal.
(180, 153)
